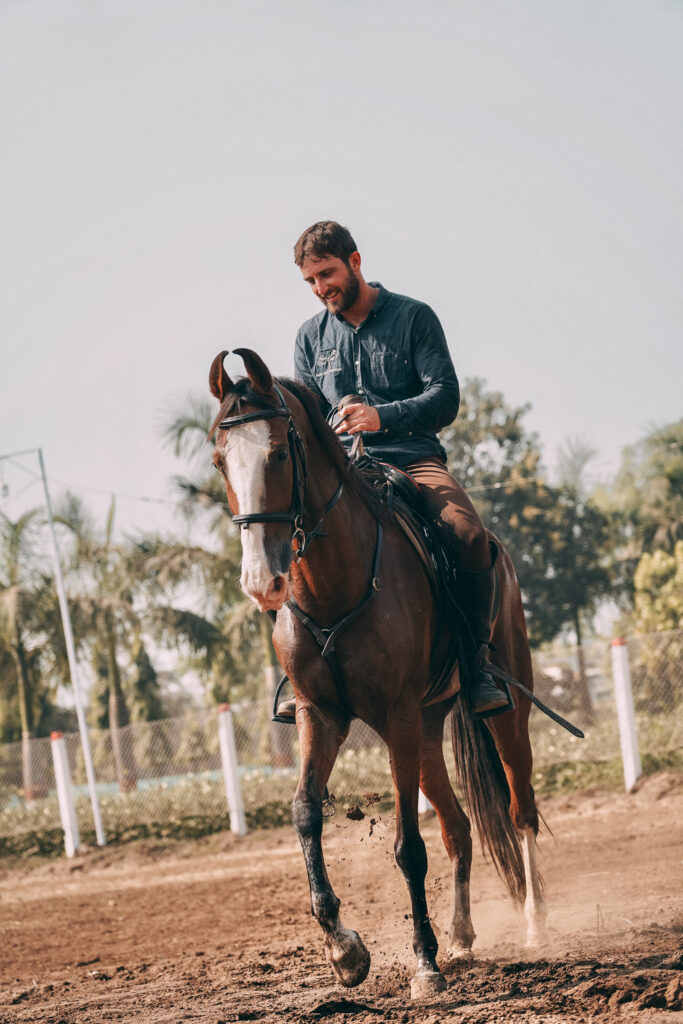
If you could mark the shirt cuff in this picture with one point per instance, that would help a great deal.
(388, 417)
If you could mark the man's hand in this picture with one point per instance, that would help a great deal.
(357, 417)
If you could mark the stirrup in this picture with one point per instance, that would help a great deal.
(500, 709)
(492, 700)
(284, 711)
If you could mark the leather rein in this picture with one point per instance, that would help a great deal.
(325, 636)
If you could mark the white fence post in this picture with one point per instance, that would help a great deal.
(231, 774)
(65, 795)
(628, 735)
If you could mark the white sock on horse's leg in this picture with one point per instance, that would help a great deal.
(535, 909)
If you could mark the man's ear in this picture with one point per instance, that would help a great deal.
(354, 262)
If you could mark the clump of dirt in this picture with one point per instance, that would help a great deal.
(354, 813)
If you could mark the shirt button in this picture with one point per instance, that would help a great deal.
(405, 361)
(410, 433)
(357, 362)
(386, 430)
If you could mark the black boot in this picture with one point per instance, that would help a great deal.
(286, 709)
(475, 592)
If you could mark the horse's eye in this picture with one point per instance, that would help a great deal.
(281, 454)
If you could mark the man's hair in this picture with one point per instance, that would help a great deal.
(325, 238)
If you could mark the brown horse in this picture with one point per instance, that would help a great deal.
(359, 634)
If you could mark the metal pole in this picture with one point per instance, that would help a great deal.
(623, 694)
(71, 654)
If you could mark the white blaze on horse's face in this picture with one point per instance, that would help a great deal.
(245, 453)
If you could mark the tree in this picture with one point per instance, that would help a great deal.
(557, 540)
(573, 458)
(119, 606)
(28, 627)
(646, 498)
(658, 588)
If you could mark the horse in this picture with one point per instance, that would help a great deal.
(318, 546)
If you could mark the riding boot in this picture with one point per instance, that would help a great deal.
(475, 592)
(287, 709)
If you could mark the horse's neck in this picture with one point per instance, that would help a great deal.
(335, 573)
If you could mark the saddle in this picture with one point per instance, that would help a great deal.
(408, 508)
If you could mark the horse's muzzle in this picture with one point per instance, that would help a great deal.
(277, 591)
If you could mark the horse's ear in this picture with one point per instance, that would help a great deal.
(258, 373)
(219, 382)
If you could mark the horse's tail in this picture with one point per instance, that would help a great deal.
(480, 773)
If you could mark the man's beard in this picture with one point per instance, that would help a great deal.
(345, 297)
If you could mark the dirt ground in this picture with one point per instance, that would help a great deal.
(219, 929)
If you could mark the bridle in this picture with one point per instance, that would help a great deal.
(297, 453)
(325, 637)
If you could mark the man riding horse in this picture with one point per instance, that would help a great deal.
(391, 352)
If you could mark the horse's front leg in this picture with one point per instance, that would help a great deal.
(319, 741)
(411, 856)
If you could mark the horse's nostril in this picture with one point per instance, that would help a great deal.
(277, 584)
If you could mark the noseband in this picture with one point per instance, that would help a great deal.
(297, 454)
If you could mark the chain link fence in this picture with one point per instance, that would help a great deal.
(165, 778)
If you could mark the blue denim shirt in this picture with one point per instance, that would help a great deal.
(397, 360)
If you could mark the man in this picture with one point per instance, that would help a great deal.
(391, 351)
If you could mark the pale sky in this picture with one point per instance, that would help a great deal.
(517, 165)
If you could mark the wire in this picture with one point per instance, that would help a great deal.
(12, 497)
(84, 487)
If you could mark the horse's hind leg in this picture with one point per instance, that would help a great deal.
(511, 735)
(535, 909)
(455, 827)
(320, 740)
(403, 740)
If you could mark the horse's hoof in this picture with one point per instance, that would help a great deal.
(460, 939)
(349, 958)
(536, 938)
(460, 952)
(426, 985)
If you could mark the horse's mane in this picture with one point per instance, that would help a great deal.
(354, 479)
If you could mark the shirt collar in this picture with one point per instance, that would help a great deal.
(380, 301)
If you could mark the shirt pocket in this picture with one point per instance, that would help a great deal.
(392, 375)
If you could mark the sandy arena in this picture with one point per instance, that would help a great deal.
(219, 930)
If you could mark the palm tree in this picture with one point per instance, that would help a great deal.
(27, 627)
(121, 596)
(104, 617)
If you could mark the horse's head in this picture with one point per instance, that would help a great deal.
(259, 455)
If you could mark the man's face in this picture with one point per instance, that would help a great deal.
(334, 282)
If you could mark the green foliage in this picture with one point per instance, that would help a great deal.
(558, 542)
(568, 574)
(31, 641)
(645, 501)
(658, 591)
